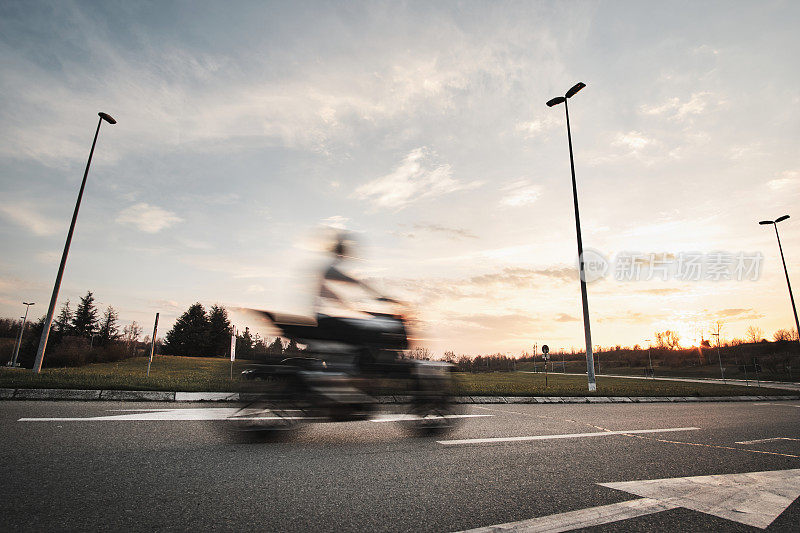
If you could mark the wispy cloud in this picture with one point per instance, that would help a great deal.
(336, 222)
(453, 233)
(520, 193)
(417, 177)
(538, 126)
(147, 218)
(28, 217)
(787, 180)
(677, 109)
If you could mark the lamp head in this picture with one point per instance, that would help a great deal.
(108, 118)
(575, 88)
(555, 101)
(765, 222)
(780, 219)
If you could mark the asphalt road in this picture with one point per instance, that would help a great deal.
(126, 474)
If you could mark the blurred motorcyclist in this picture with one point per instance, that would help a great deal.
(342, 295)
(346, 305)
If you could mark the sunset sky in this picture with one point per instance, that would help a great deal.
(246, 128)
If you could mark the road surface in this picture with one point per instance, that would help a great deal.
(152, 466)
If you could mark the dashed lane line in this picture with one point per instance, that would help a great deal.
(643, 437)
(562, 436)
(764, 440)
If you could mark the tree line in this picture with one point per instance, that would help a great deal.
(77, 336)
(201, 333)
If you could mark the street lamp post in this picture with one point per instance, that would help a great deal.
(719, 357)
(786, 272)
(21, 331)
(649, 359)
(587, 331)
(37, 365)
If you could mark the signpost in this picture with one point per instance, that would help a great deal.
(545, 356)
(152, 345)
(233, 350)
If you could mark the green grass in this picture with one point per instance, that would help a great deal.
(166, 373)
(522, 384)
(213, 374)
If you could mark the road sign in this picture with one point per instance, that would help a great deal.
(545, 349)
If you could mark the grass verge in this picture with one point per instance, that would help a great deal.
(208, 374)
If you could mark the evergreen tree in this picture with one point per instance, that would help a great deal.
(84, 323)
(219, 331)
(63, 322)
(292, 349)
(189, 335)
(276, 348)
(244, 344)
(109, 330)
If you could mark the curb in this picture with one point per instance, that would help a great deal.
(176, 396)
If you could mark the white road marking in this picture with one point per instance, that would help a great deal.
(779, 404)
(211, 413)
(206, 413)
(764, 440)
(594, 516)
(754, 498)
(402, 417)
(563, 436)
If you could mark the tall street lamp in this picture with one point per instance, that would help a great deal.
(21, 331)
(37, 365)
(649, 359)
(786, 272)
(719, 356)
(587, 331)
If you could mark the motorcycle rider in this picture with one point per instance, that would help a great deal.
(347, 306)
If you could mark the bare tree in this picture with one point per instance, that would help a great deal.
(420, 353)
(131, 333)
(669, 340)
(784, 335)
(754, 334)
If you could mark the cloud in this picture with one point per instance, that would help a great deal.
(500, 323)
(520, 193)
(26, 216)
(563, 317)
(453, 233)
(676, 109)
(739, 313)
(336, 222)
(147, 218)
(416, 177)
(662, 291)
(633, 140)
(536, 127)
(525, 277)
(788, 180)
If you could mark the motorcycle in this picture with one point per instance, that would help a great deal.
(351, 369)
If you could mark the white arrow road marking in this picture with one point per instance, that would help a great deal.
(754, 498)
(563, 436)
(206, 413)
(763, 440)
(594, 516)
